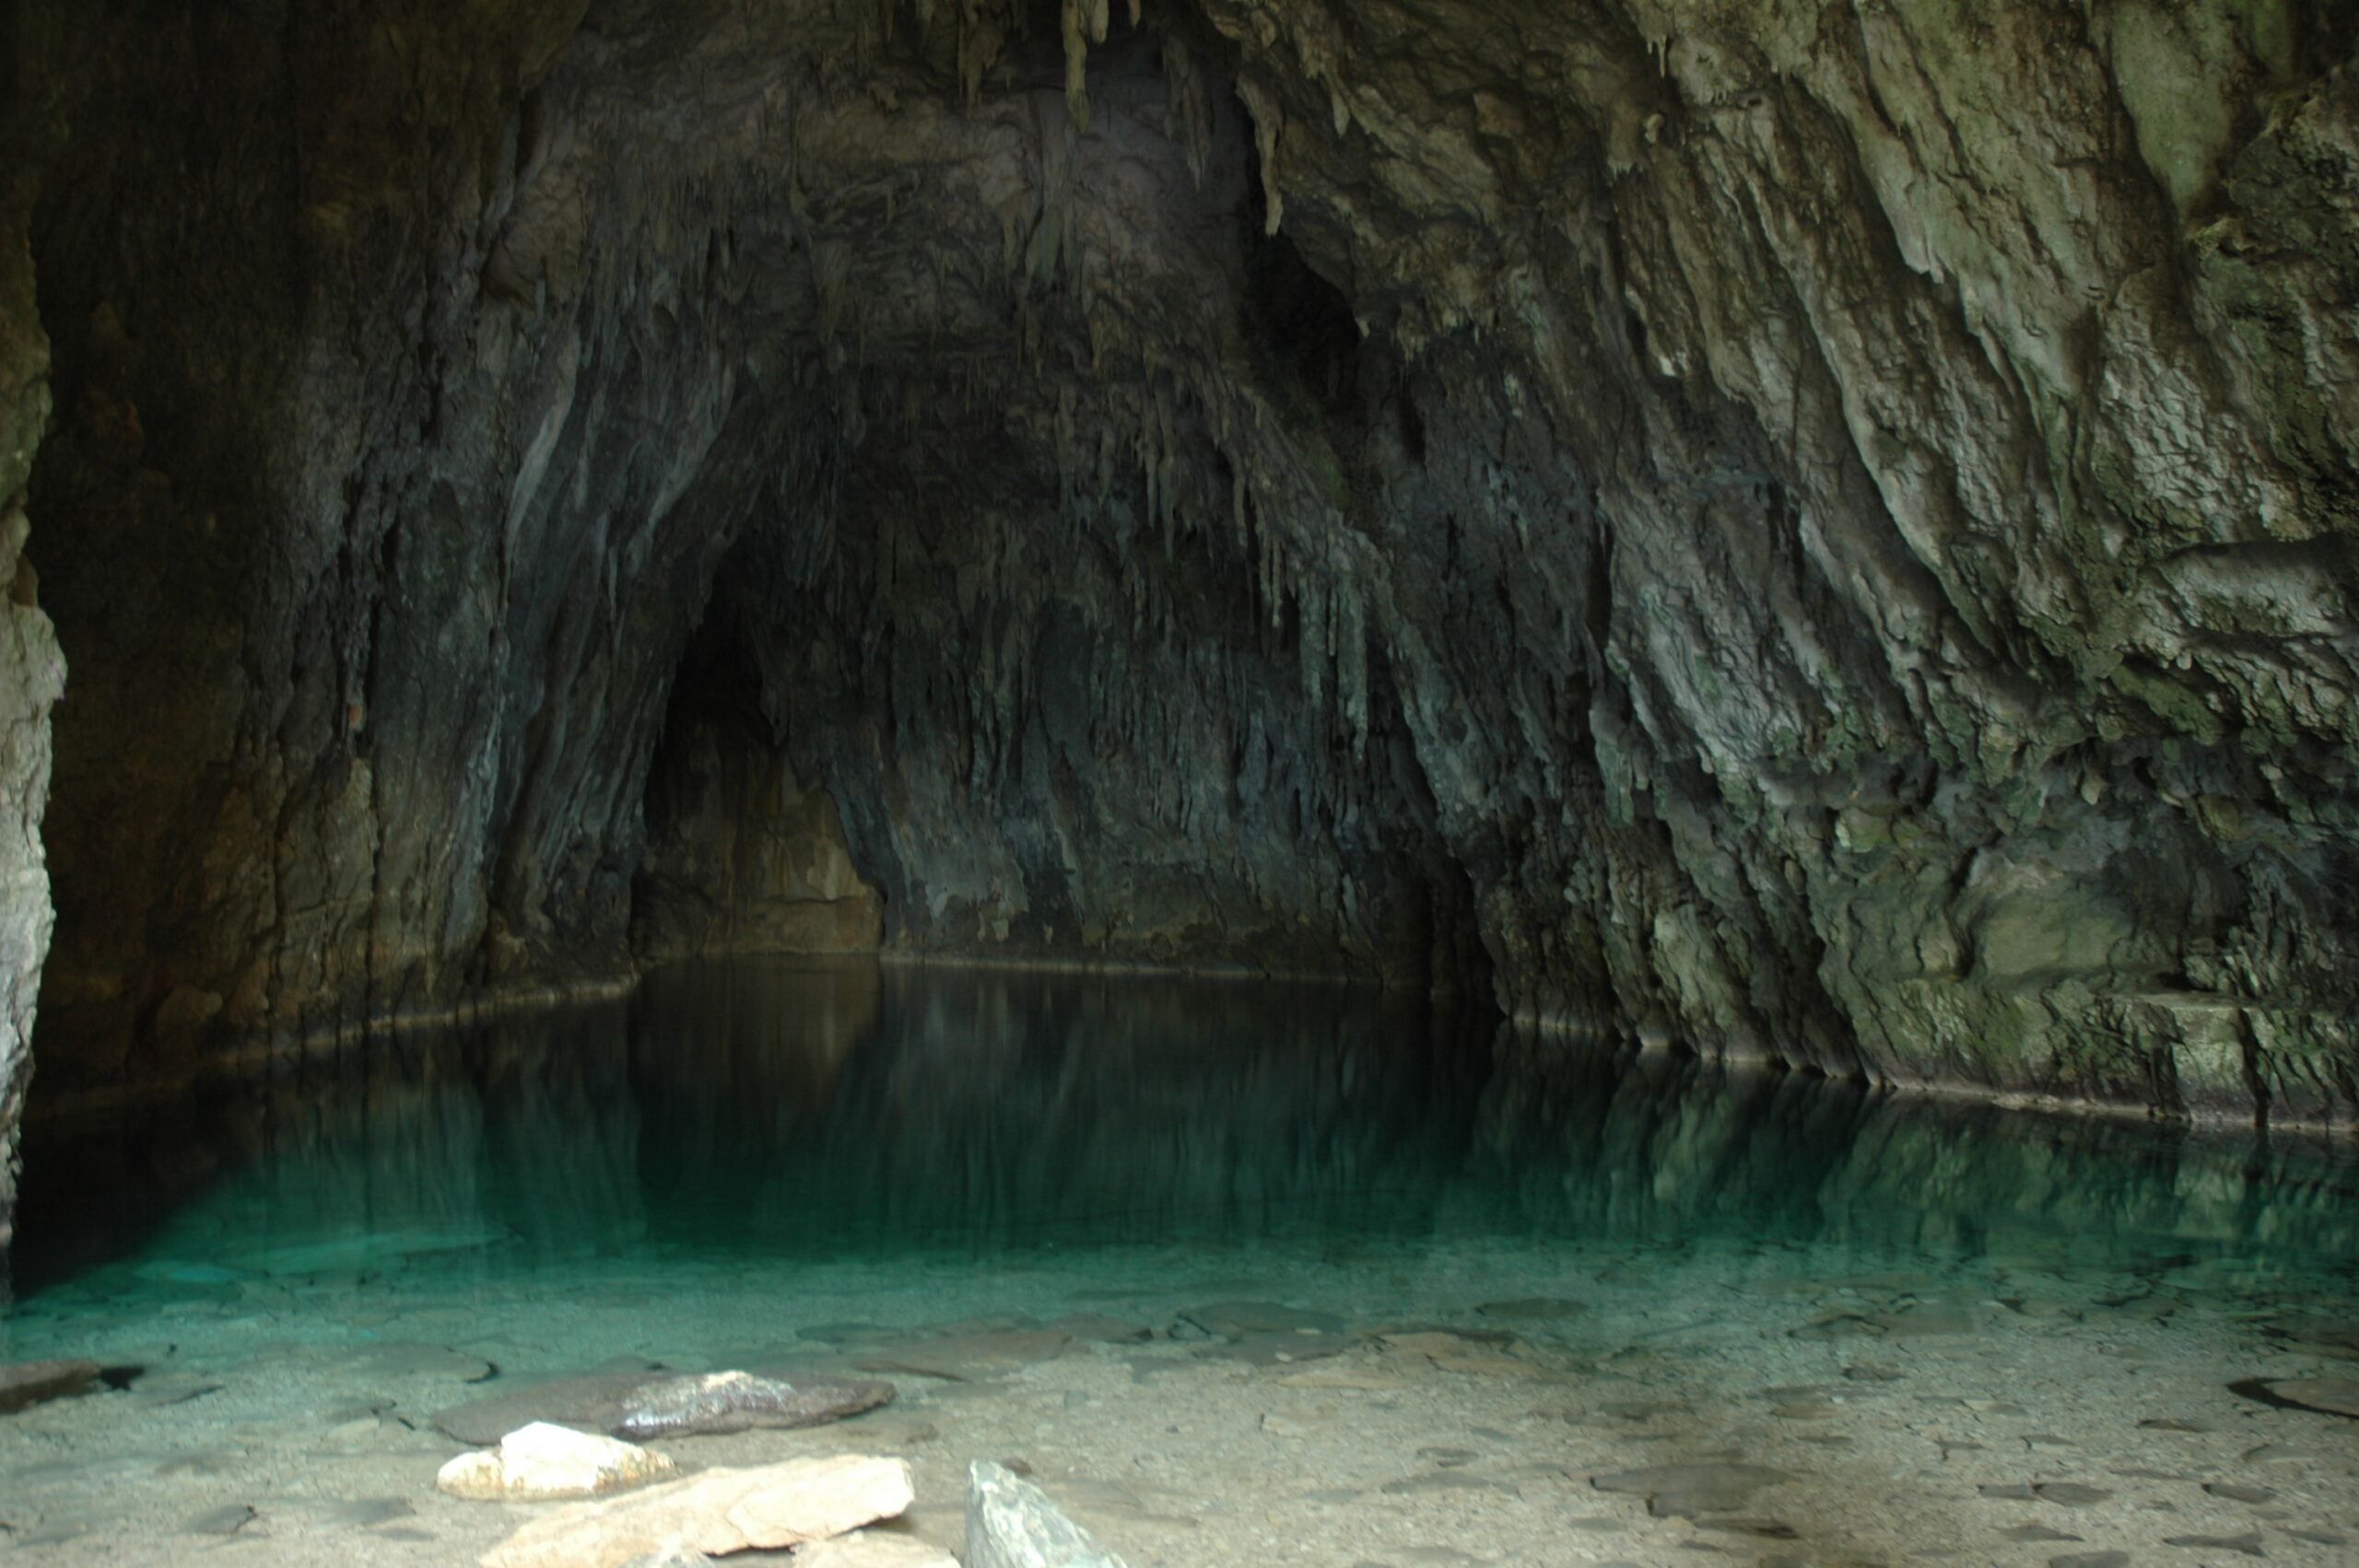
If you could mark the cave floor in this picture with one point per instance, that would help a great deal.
(1165, 1284)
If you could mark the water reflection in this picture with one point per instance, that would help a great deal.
(838, 1108)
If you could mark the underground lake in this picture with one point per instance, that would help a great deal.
(1237, 1272)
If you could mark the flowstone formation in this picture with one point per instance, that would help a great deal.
(1810, 530)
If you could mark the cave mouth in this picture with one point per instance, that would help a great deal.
(740, 855)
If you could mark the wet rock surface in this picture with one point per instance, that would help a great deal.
(1013, 1524)
(737, 1402)
(644, 1404)
(718, 1512)
(540, 1462)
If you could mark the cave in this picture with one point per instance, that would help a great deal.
(1424, 594)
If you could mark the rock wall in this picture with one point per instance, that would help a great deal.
(32, 674)
(1961, 404)
(1809, 531)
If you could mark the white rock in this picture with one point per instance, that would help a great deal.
(546, 1461)
(1012, 1524)
(873, 1548)
(717, 1513)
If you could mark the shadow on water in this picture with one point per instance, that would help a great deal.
(843, 1109)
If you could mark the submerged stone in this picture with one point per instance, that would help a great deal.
(717, 1513)
(2333, 1396)
(1543, 1309)
(1685, 1490)
(2235, 1492)
(541, 1461)
(873, 1548)
(1099, 1328)
(639, 1404)
(1012, 1524)
(2068, 1494)
(739, 1401)
(1234, 1319)
(2248, 1544)
(28, 1382)
(964, 1358)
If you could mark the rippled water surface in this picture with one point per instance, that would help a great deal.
(1243, 1272)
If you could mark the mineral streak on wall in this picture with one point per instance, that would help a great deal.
(1811, 530)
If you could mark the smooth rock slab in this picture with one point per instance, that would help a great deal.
(28, 1382)
(1098, 1328)
(2234, 1492)
(2069, 1493)
(2248, 1543)
(602, 1401)
(2335, 1396)
(1234, 1319)
(967, 1358)
(1012, 1524)
(718, 1512)
(739, 1401)
(541, 1462)
(1534, 1308)
(873, 1548)
(1685, 1490)
(1279, 1350)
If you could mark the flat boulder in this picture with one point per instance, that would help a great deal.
(1012, 1524)
(1234, 1319)
(717, 1513)
(1277, 1349)
(541, 1462)
(1685, 1490)
(740, 1401)
(2334, 1395)
(967, 1358)
(607, 1401)
(27, 1382)
(873, 1548)
(2248, 1545)
(1534, 1309)
(1099, 1328)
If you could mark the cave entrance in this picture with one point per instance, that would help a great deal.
(742, 855)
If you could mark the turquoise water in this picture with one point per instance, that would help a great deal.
(825, 1164)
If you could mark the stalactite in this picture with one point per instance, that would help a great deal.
(1187, 108)
(1351, 671)
(1269, 121)
(1315, 655)
(1076, 41)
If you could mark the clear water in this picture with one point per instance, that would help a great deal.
(1896, 1304)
